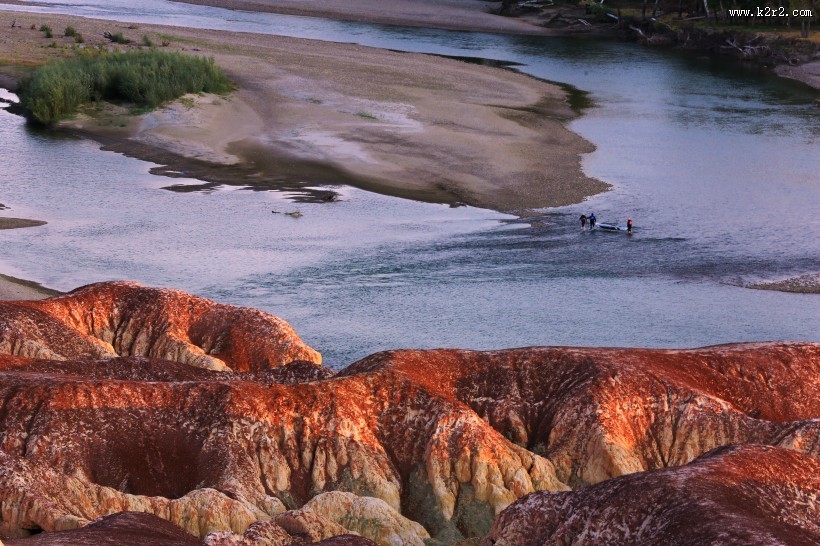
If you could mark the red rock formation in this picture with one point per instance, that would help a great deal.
(126, 319)
(602, 413)
(447, 438)
(731, 496)
(127, 438)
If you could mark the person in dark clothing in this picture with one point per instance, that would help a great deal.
(591, 221)
(629, 225)
(583, 222)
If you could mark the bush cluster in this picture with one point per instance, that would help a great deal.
(143, 78)
(118, 38)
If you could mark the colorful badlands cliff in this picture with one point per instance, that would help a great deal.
(154, 404)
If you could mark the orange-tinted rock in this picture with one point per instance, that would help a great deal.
(601, 413)
(126, 319)
(37, 498)
(447, 438)
(732, 496)
(129, 435)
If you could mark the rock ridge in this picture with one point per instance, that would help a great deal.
(120, 398)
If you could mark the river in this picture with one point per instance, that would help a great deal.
(717, 163)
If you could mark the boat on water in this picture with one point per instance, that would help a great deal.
(605, 226)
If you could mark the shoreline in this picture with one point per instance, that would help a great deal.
(12, 288)
(461, 15)
(16, 223)
(310, 113)
(474, 15)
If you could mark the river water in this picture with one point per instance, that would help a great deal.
(718, 165)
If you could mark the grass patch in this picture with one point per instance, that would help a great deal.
(366, 115)
(144, 79)
(47, 31)
(117, 38)
(146, 41)
(187, 102)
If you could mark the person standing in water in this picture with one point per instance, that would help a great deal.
(583, 222)
(629, 225)
(591, 221)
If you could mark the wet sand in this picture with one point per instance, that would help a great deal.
(804, 284)
(808, 73)
(12, 288)
(14, 223)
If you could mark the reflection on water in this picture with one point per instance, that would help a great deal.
(716, 163)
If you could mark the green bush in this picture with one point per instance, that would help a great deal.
(146, 41)
(144, 78)
(70, 31)
(78, 38)
(118, 38)
(47, 30)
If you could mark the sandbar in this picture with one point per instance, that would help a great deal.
(15, 223)
(410, 125)
(804, 284)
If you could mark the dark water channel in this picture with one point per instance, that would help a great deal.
(719, 166)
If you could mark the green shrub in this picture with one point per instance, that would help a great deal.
(143, 78)
(146, 41)
(70, 32)
(47, 29)
(118, 38)
(78, 38)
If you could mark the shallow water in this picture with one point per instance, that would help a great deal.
(717, 164)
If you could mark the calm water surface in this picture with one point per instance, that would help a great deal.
(719, 166)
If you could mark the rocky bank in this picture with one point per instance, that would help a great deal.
(117, 398)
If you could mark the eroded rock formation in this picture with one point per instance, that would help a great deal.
(130, 438)
(601, 413)
(398, 447)
(738, 495)
(126, 319)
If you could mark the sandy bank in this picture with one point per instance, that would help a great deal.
(470, 15)
(804, 284)
(12, 288)
(316, 112)
(14, 223)
(808, 73)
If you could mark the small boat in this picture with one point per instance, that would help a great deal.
(604, 226)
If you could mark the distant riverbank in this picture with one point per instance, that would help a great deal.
(471, 15)
(555, 20)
